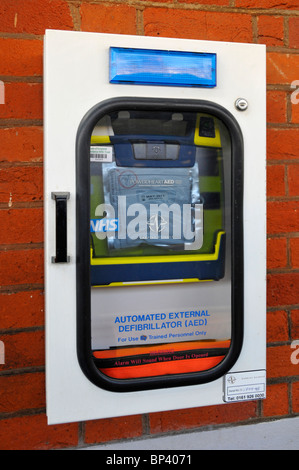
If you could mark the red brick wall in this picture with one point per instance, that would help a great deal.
(22, 24)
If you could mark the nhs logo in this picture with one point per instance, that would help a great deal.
(104, 225)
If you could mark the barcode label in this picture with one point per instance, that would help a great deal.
(101, 154)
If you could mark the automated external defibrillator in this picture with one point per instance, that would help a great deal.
(157, 216)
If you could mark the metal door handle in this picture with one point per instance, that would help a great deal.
(61, 227)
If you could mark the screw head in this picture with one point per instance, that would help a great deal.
(241, 104)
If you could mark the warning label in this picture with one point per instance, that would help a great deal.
(242, 386)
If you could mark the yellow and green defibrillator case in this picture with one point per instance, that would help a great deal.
(169, 166)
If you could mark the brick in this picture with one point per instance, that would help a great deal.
(282, 68)
(295, 324)
(279, 362)
(295, 397)
(282, 144)
(21, 144)
(170, 1)
(208, 2)
(22, 183)
(294, 32)
(293, 178)
(22, 392)
(22, 101)
(284, 4)
(13, 306)
(275, 180)
(193, 418)
(21, 226)
(276, 253)
(120, 19)
(295, 108)
(34, 16)
(21, 267)
(33, 433)
(294, 246)
(193, 24)
(276, 403)
(21, 57)
(270, 30)
(282, 216)
(277, 326)
(23, 350)
(283, 289)
(110, 429)
(276, 106)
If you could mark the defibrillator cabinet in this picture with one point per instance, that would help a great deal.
(154, 224)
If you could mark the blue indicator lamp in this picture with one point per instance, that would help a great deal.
(162, 67)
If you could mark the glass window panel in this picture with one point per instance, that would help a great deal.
(160, 235)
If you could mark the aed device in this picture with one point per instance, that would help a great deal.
(173, 163)
(154, 224)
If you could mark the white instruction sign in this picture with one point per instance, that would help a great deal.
(242, 386)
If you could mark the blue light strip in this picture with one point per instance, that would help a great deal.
(158, 67)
